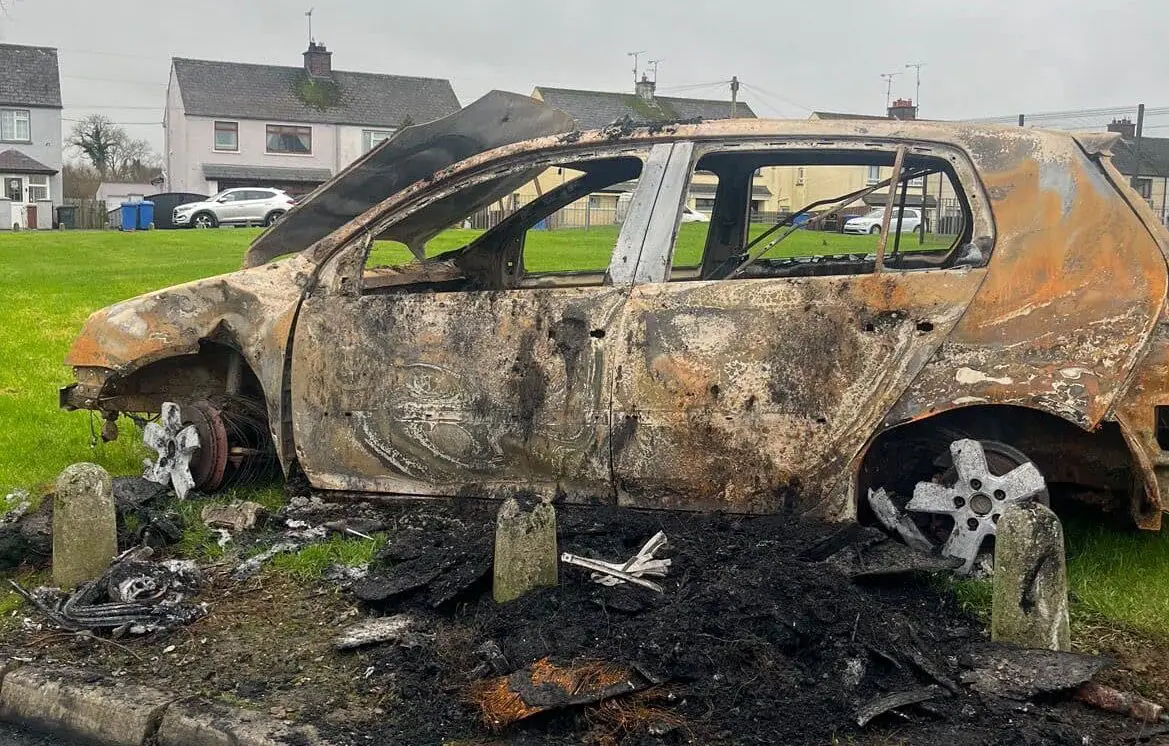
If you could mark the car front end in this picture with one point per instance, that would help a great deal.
(858, 225)
(183, 213)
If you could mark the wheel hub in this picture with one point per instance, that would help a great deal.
(976, 500)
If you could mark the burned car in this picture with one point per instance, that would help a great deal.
(737, 378)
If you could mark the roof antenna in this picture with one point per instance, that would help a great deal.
(635, 55)
(309, 14)
(653, 64)
(888, 78)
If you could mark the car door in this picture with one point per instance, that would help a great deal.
(753, 394)
(229, 205)
(434, 391)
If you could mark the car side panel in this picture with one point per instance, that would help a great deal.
(747, 395)
(1076, 283)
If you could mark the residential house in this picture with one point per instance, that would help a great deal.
(1145, 164)
(596, 109)
(231, 124)
(30, 136)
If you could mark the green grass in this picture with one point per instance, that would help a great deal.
(312, 561)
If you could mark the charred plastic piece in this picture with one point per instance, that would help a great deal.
(643, 563)
(545, 686)
(133, 594)
(976, 499)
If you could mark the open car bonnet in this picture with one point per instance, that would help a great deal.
(417, 152)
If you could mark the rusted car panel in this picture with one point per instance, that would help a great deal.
(746, 395)
(1076, 284)
(728, 394)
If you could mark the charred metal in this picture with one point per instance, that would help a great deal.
(745, 384)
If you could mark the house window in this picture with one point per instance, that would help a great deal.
(874, 174)
(14, 125)
(38, 188)
(14, 188)
(373, 138)
(1144, 187)
(283, 138)
(227, 136)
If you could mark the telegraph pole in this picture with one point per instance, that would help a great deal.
(734, 95)
(888, 78)
(635, 56)
(917, 66)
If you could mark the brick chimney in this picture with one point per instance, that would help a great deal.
(1125, 127)
(903, 108)
(318, 61)
(645, 89)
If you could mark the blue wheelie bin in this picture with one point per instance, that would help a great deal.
(145, 215)
(129, 216)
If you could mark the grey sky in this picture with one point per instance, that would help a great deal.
(983, 58)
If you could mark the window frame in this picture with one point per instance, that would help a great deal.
(287, 129)
(966, 184)
(16, 118)
(30, 185)
(215, 130)
(367, 136)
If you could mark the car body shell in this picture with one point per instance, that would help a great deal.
(495, 392)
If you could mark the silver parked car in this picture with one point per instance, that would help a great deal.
(871, 223)
(235, 206)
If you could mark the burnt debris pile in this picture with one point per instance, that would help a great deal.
(766, 631)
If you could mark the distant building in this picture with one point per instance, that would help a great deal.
(116, 193)
(1146, 165)
(230, 124)
(30, 136)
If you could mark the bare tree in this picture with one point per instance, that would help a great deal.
(111, 151)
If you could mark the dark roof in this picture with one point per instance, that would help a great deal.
(30, 76)
(595, 109)
(841, 115)
(1154, 157)
(266, 173)
(16, 162)
(245, 91)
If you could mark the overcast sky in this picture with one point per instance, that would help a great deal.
(983, 58)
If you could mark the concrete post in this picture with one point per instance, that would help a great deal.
(526, 556)
(1030, 600)
(85, 531)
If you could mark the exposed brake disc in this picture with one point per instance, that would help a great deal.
(976, 500)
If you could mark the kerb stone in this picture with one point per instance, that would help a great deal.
(85, 529)
(525, 550)
(1030, 599)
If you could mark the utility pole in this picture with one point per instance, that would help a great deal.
(917, 66)
(888, 78)
(1137, 145)
(1022, 119)
(309, 14)
(734, 95)
(635, 56)
(653, 64)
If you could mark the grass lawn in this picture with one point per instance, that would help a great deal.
(52, 281)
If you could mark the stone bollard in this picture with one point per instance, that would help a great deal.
(1030, 600)
(85, 530)
(525, 550)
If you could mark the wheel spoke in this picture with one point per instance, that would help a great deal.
(969, 460)
(930, 497)
(964, 544)
(154, 436)
(1023, 482)
(187, 440)
(171, 418)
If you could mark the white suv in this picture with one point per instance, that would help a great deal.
(245, 206)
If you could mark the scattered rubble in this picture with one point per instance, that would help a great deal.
(234, 517)
(400, 628)
(641, 564)
(1122, 703)
(1020, 673)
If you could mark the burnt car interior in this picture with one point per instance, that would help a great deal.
(735, 244)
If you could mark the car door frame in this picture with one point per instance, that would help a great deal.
(333, 459)
(677, 413)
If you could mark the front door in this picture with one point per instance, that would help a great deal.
(444, 390)
(32, 216)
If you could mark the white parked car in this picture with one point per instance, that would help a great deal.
(250, 205)
(690, 215)
(871, 223)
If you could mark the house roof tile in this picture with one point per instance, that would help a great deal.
(30, 76)
(246, 91)
(595, 109)
(16, 162)
(1154, 159)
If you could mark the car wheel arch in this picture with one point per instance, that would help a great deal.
(1102, 459)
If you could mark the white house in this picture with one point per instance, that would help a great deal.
(30, 136)
(230, 124)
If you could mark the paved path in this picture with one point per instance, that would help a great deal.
(10, 736)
